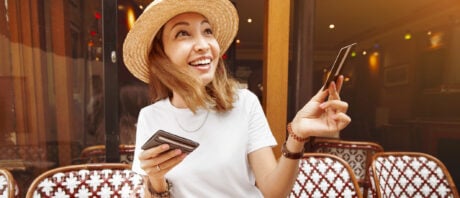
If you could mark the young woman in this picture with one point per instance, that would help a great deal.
(176, 46)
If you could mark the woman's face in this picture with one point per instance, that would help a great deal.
(189, 42)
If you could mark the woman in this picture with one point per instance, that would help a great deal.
(175, 46)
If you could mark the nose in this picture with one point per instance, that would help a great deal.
(201, 44)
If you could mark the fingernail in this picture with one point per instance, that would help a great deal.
(178, 151)
(164, 146)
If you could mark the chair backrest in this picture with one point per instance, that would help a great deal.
(324, 175)
(8, 186)
(358, 154)
(372, 188)
(411, 174)
(88, 180)
(96, 154)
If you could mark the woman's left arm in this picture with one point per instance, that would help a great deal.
(319, 117)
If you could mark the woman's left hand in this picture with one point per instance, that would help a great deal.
(321, 117)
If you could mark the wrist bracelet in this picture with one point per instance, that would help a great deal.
(294, 136)
(165, 194)
(295, 156)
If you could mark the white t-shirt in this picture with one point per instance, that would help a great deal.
(219, 167)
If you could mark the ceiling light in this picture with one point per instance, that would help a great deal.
(331, 26)
(130, 17)
(249, 20)
(374, 60)
(238, 41)
(436, 40)
(407, 36)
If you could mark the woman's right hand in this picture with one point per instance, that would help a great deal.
(324, 115)
(156, 163)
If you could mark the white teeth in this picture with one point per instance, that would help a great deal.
(201, 62)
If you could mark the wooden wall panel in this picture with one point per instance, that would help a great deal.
(63, 78)
(276, 57)
(27, 72)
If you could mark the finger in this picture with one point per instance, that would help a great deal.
(156, 172)
(333, 93)
(336, 105)
(150, 165)
(342, 120)
(172, 162)
(166, 166)
(168, 155)
(153, 152)
(339, 83)
(163, 157)
(320, 96)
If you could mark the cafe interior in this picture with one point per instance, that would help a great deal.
(69, 104)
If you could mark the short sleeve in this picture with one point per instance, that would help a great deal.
(260, 134)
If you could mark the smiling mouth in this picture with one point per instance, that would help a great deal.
(201, 62)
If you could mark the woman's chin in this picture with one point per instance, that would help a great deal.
(206, 79)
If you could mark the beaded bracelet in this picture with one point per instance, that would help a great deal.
(290, 155)
(165, 194)
(294, 136)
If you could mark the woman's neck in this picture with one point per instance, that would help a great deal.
(177, 101)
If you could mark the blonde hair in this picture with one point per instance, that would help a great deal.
(164, 77)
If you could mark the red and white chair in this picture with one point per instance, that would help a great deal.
(324, 175)
(358, 154)
(8, 186)
(411, 174)
(88, 180)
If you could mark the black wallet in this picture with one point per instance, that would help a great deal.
(174, 141)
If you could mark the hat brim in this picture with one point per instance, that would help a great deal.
(221, 14)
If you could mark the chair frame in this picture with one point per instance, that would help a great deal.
(11, 183)
(94, 166)
(438, 162)
(91, 150)
(343, 162)
(319, 142)
(97, 152)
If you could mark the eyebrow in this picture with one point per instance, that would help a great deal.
(186, 23)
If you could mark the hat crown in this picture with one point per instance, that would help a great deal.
(153, 3)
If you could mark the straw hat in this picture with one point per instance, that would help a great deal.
(221, 14)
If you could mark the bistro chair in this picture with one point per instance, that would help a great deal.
(358, 154)
(411, 174)
(96, 154)
(324, 175)
(88, 180)
(8, 186)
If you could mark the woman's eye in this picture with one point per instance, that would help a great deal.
(208, 31)
(181, 33)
